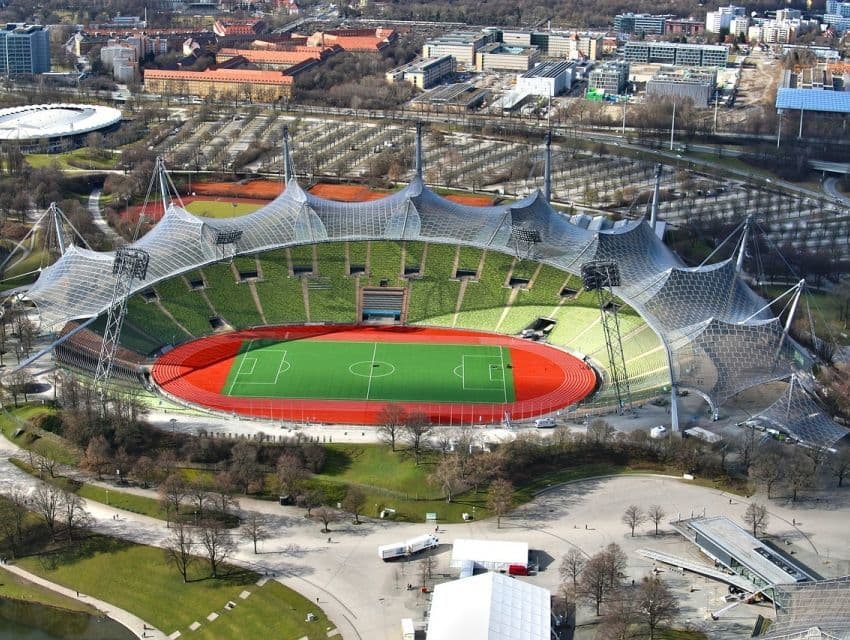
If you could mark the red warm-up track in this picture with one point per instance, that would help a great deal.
(545, 378)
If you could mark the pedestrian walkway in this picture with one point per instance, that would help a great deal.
(134, 624)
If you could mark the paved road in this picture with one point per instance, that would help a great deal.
(100, 221)
(830, 186)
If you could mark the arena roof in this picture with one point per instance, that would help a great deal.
(813, 610)
(720, 337)
(45, 121)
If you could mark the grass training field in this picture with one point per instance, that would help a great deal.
(341, 370)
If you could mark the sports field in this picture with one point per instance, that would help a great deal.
(347, 370)
(348, 374)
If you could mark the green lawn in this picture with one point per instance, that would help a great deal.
(36, 440)
(14, 587)
(16, 269)
(371, 371)
(221, 208)
(76, 159)
(138, 578)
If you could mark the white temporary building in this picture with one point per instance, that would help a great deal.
(493, 555)
(489, 606)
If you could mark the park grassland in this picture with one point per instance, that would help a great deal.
(14, 587)
(139, 579)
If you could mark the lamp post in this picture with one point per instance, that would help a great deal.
(173, 422)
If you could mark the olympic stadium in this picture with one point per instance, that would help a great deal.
(54, 123)
(234, 314)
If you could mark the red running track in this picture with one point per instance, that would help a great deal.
(545, 378)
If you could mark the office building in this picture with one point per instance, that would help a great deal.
(641, 23)
(684, 26)
(497, 56)
(24, 49)
(719, 20)
(461, 45)
(256, 86)
(611, 78)
(547, 79)
(676, 54)
(423, 73)
(696, 85)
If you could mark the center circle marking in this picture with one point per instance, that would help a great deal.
(368, 368)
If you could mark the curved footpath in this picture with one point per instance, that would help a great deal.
(366, 598)
(134, 624)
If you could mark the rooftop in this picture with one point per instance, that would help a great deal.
(813, 100)
(41, 121)
(748, 551)
(548, 69)
(248, 76)
(490, 606)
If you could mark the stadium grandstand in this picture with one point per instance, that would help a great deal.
(416, 258)
(59, 125)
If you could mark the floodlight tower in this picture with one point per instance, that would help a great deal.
(602, 276)
(130, 264)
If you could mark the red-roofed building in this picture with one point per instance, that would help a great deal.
(279, 59)
(255, 86)
(358, 40)
(225, 28)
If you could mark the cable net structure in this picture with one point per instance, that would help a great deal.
(812, 610)
(798, 413)
(720, 337)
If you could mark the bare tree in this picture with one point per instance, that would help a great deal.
(416, 429)
(500, 497)
(633, 517)
(290, 474)
(178, 548)
(218, 544)
(768, 470)
(593, 581)
(222, 500)
(13, 513)
(145, 471)
(47, 501)
(446, 475)
(756, 517)
(656, 604)
(600, 432)
(656, 514)
(839, 465)
(326, 516)
(254, 529)
(245, 471)
(572, 565)
(172, 492)
(391, 420)
(198, 492)
(74, 513)
(354, 502)
(800, 472)
(615, 563)
(311, 499)
(98, 456)
(619, 615)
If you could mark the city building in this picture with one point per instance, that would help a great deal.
(641, 23)
(242, 84)
(121, 59)
(610, 78)
(575, 46)
(547, 79)
(684, 26)
(423, 73)
(738, 551)
(225, 28)
(461, 45)
(452, 98)
(837, 15)
(676, 54)
(497, 56)
(783, 30)
(280, 59)
(24, 49)
(696, 85)
(719, 20)
(356, 40)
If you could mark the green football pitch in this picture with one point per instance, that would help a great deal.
(339, 370)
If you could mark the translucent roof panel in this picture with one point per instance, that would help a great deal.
(813, 100)
(800, 415)
(812, 610)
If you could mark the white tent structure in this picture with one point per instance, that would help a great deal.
(493, 555)
(490, 606)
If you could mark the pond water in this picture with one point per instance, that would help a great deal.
(30, 621)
